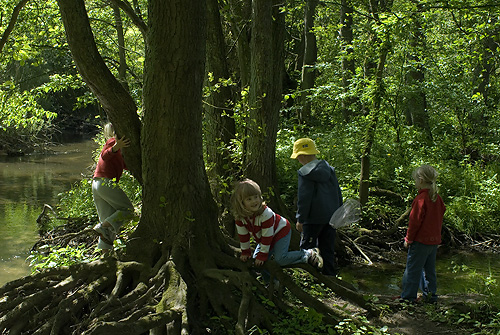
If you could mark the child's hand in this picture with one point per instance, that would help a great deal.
(299, 227)
(258, 262)
(406, 245)
(121, 143)
(244, 258)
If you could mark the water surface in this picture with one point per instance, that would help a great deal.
(458, 272)
(26, 184)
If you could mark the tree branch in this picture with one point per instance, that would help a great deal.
(138, 21)
(12, 22)
(119, 105)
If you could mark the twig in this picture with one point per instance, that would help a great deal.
(359, 249)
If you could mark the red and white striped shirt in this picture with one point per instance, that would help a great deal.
(266, 228)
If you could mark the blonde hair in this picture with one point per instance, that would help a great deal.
(108, 131)
(429, 176)
(242, 190)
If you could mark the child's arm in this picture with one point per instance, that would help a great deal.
(244, 237)
(305, 195)
(415, 222)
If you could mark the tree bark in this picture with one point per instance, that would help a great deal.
(175, 191)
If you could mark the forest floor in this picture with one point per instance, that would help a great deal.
(405, 319)
(415, 319)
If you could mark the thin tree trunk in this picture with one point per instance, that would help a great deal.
(310, 57)
(12, 23)
(364, 185)
(416, 101)
(122, 64)
(219, 121)
(241, 28)
(348, 65)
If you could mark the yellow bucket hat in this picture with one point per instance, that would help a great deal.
(304, 146)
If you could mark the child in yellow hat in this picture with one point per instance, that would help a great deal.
(319, 196)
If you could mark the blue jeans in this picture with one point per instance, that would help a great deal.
(323, 237)
(420, 272)
(281, 254)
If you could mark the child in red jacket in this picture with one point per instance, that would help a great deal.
(423, 237)
(112, 204)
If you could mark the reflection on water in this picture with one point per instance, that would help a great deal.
(26, 183)
(458, 273)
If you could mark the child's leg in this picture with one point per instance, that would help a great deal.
(284, 257)
(413, 272)
(104, 209)
(326, 245)
(116, 199)
(424, 284)
(430, 273)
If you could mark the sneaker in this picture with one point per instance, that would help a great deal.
(315, 258)
(105, 233)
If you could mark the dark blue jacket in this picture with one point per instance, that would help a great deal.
(319, 193)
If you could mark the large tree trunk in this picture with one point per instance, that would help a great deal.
(176, 195)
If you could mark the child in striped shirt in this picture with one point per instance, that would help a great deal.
(271, 232)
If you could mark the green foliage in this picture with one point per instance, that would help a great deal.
(46, 258)
(21, 110)
(303, 321)
(78, 202)
(479, 282)
(479, 319)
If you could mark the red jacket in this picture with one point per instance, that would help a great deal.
(110, 164)
(426, 219)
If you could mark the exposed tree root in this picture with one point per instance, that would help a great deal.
(109, 296)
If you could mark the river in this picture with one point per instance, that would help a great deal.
(26, 184)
